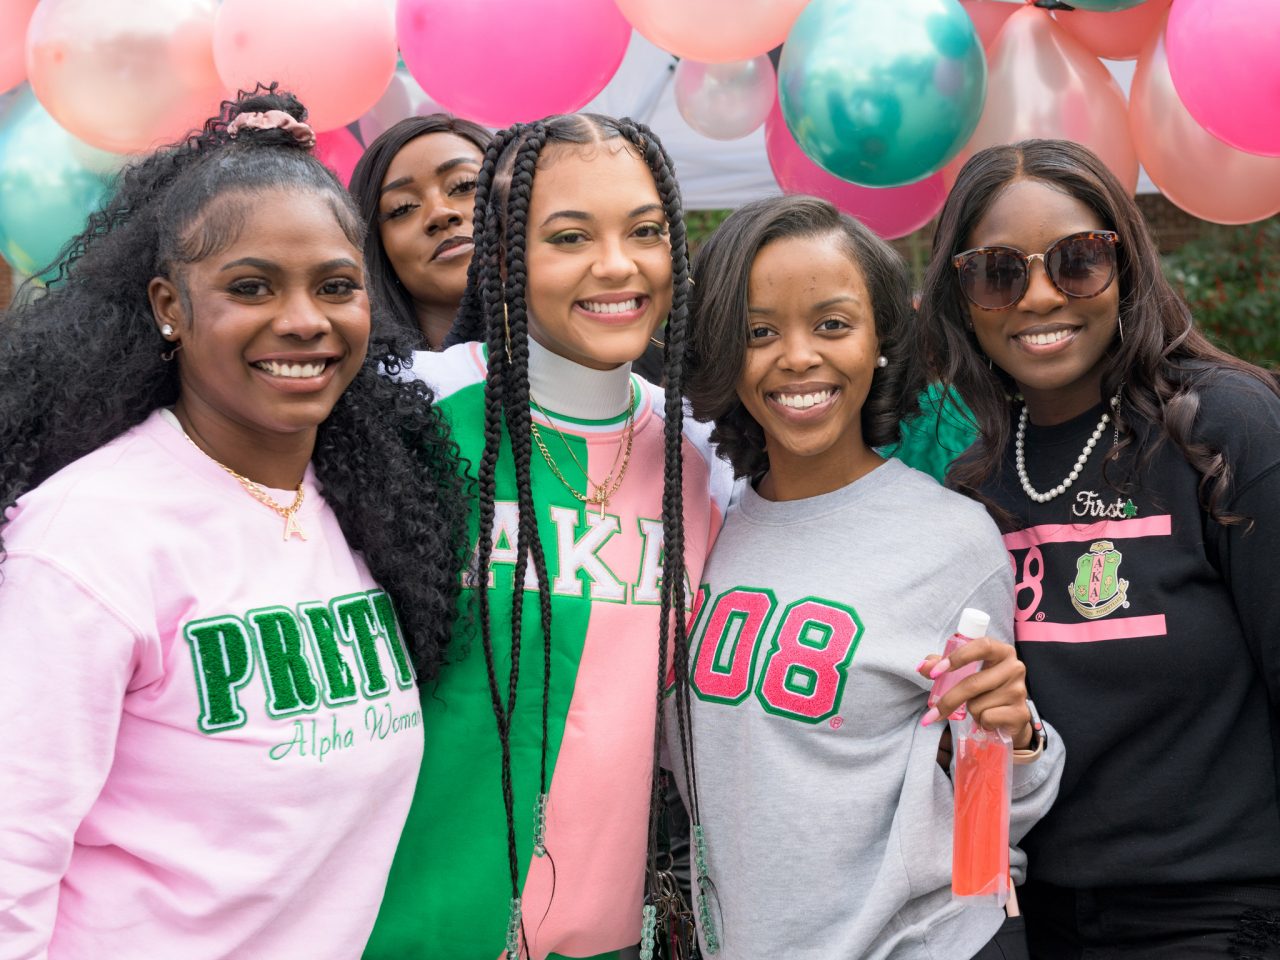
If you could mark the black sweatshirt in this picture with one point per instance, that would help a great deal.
(1151, 637)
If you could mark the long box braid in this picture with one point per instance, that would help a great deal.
(494, 309)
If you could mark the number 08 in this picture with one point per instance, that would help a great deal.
(805, 664)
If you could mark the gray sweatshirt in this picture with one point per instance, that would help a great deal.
(827, 818)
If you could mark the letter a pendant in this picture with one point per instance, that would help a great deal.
(292, 526)
(599, 500)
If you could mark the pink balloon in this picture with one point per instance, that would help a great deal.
(14, 17)
(504, 61)
(339, 150)
(1224, 56)
(889, 211)
(1119, 35)
(1191, 166)
(988, 16)
(713, 31)
(125, 76)
(336, 56)
(1042, 83)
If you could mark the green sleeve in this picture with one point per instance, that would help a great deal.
(942, 431)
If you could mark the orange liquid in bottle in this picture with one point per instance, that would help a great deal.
(980, 854)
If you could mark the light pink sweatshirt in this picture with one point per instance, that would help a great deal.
(209, 736)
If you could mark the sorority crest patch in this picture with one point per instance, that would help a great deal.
(1098, 590)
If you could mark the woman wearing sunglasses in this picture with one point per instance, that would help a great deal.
(1135, 471)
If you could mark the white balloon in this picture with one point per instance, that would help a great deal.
(403, 98)
(726, 101)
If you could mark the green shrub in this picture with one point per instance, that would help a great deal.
(1231, 278)
(701, 224)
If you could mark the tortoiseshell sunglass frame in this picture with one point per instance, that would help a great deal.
(964, 257)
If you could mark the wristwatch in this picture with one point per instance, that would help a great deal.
(1039, 738)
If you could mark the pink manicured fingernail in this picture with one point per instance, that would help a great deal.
(920, 665)
(929, 717)
(939, 668)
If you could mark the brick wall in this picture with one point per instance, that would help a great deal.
(1171, 226)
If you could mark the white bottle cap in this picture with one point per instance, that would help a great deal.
(973, 623)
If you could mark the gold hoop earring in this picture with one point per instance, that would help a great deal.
(167, 355)
(1120, 324)
(658, 343)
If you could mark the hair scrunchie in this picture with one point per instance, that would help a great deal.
(268, 119)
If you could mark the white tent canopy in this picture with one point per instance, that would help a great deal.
(715, 174)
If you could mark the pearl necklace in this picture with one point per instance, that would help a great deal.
(1019, 447)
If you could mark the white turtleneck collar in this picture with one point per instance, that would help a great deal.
(572, 390)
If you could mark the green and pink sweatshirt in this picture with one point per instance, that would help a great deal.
(208, 734)
(449, 890)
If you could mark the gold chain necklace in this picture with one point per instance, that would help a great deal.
(631, 401)
(599, 492)
(291, 524)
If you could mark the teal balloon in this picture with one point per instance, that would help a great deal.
(1106, 6)
(882, 92)
(46, 192)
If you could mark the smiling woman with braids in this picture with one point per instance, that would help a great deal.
(228, 542)
(536, 798)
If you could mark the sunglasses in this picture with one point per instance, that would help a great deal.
(1081, 265)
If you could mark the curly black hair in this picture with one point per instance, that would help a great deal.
(81, 364)
(495, 310)
(366, 187)
(1157, 367)
(718, 344)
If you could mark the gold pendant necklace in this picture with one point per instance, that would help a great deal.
(598, 493)
(291, 525)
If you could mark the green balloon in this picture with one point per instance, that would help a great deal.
(46, 193)
(882, 92)
(1105, 6)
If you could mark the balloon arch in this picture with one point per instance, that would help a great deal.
(873, 104)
